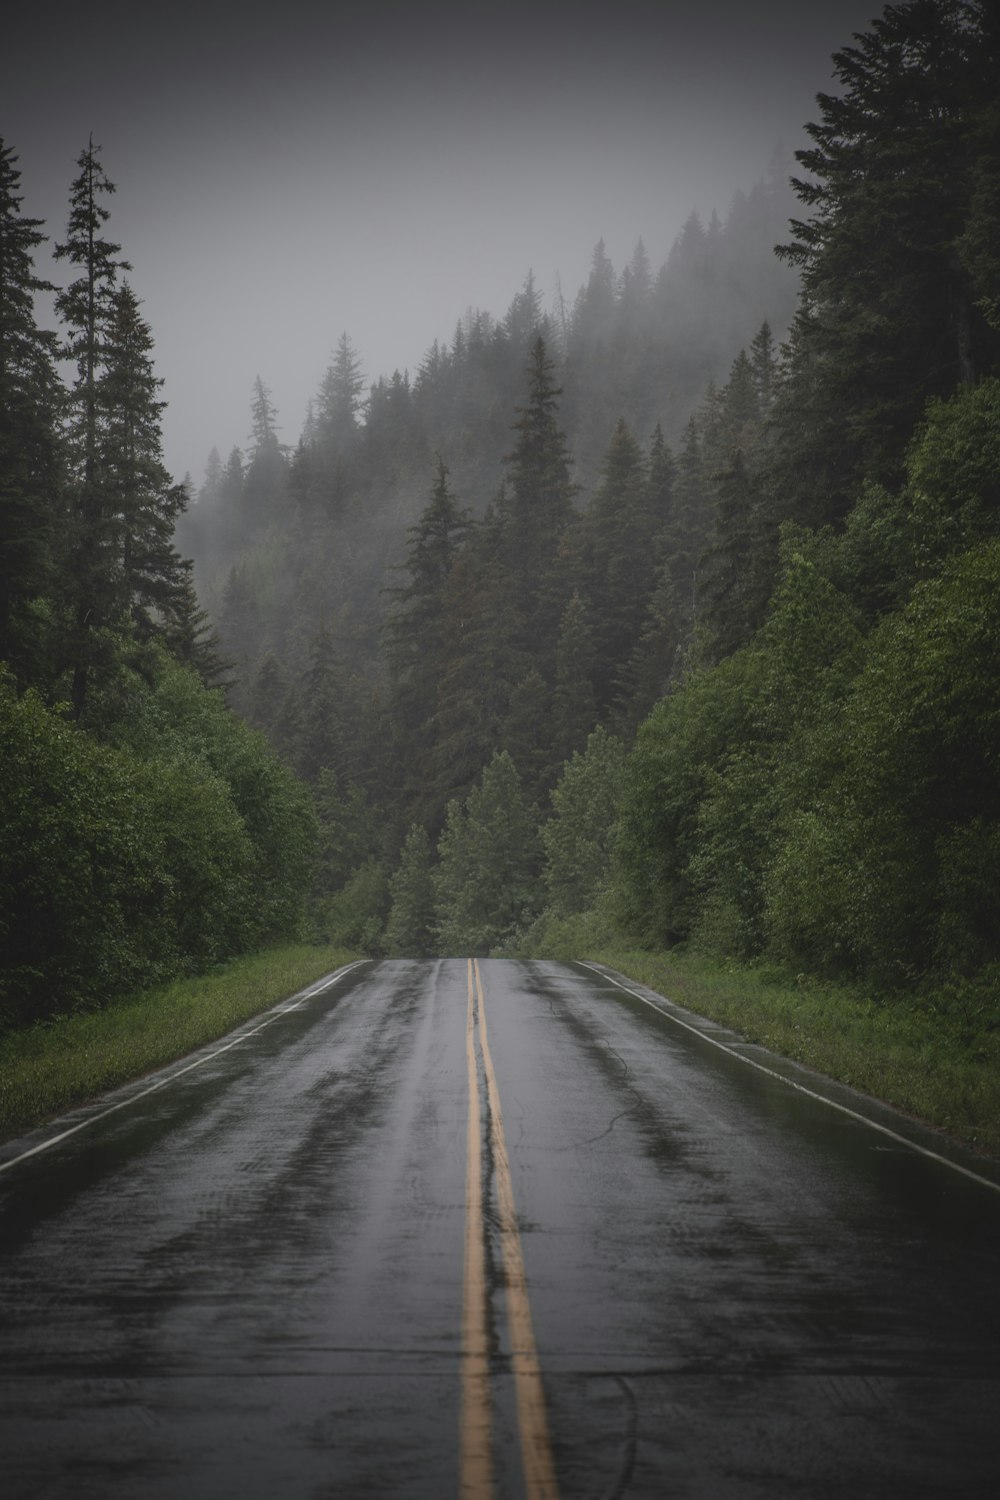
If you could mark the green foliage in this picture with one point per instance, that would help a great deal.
(181, 842)
(355, 916)
(349, 831)
(79, 873)
(409, 931)
(901, 187)
(578, 837)
(31, 456)
(275, 808)
(485, 882)
(892, 871)
(687, 739)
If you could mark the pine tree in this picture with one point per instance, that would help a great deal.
(481, 662)
(535, 509)
(574, 705)
(661, 475)
(890, 315)
(617, 543)
(684, 538)
(734, 582)
(145, 502)
(323, 738)
(191, 636)
(339, 400)
(86, 308)
(31, 468)
(658, 661)
(267, 695)
(527, 734)
(727, 612)
(764, 367)
(414, 636)
(266, 475)
(522, 323)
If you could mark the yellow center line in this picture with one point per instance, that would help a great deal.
(475, 1468)
(536, 1448)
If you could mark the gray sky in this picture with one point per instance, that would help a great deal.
(289, 171)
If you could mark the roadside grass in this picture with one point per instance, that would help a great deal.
(936, 1056)
(48, 1068)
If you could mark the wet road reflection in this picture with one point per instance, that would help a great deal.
(250, 1281)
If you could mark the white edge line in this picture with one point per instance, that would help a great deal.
(284, 1010)
(812, 1094)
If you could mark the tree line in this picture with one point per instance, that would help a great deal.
(669, 615)
(739, 690)
(144, 830)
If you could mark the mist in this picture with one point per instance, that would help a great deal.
(286, 175)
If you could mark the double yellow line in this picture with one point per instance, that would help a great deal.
(476, 1465)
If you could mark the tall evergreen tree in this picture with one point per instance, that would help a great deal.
(144, 501)
(684, 537)
(535, 508)
(890, 315)
(267, 471)
(579, 836)
(574, 703)
(338, 404)
(481, 662)
(617, 543)
(414, 635)
(86, 308)
(30, 451)
(322, 739)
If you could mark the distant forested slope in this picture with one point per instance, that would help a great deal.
(315, 559)
(671, 612)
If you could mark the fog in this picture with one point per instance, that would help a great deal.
(287, 173)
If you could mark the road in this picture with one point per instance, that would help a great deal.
(495, 1230)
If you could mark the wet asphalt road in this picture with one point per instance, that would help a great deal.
(248, 1281)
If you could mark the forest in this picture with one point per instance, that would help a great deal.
(668, 613)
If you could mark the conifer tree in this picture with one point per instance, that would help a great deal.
(764, 366)
(144, 501)
(322, 738)
(339, 400)
(190, 633)
(684, 537)
(86, 309)
(658, 661)
(527, 734)
(415, 635)
(30, 451)
(891, 314)
(661, 474)
(266, 474)
(574, 705)
(727, 612)
(535, 508)
(481, 662)
(617, 542)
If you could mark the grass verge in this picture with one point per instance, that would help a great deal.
(51, 1067)
(927, 1056)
